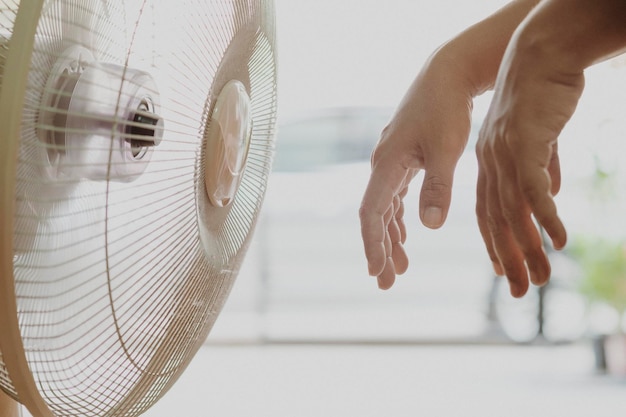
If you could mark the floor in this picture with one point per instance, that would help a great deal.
(301, 380)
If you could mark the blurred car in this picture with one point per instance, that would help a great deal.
(322, 160)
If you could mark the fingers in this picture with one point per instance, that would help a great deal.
(382, 227)
(523, 249)
(382, 211)
(536, 188)
(483, 217)
(520, 249)
(500, 240)
(511, 237)
(397, 238)
(509, 192)
(387, 276)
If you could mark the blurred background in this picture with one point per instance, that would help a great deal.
(306, 332)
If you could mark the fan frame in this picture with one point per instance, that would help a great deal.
(18, 60)
(13, 91)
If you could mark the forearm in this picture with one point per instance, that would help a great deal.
(573, 34)
(477, 51)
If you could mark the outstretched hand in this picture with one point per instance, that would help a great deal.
(537, 89)
(429, 131)
(538, 85)
(519, 166)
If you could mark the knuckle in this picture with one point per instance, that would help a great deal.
(374, 156)
(388, 216)
(435, 185)
(363, 212)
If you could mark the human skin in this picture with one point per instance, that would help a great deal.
(540, 81)
(429, 131)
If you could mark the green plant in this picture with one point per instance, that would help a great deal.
(603, 264)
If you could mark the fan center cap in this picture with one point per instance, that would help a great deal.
(227, 143)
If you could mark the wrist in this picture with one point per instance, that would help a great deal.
(476, 53)
(451, 62)
(572, 35)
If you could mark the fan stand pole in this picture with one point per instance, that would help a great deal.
(8, 406)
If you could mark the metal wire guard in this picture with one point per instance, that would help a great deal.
(108, 287)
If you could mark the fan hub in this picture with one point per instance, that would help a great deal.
(227, 143)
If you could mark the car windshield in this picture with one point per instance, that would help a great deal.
(333, 136)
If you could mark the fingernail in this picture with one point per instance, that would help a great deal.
(433, 217)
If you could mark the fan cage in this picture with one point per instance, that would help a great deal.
(118, 283)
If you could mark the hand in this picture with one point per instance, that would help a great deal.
(518, 162)
(429, 131)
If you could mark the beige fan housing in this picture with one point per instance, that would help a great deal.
(136, 140)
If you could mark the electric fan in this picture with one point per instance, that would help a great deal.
(136, 142)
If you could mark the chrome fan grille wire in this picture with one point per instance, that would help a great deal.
(118, 283)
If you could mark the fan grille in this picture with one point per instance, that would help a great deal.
(117, 283)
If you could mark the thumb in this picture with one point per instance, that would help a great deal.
(436, 193)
